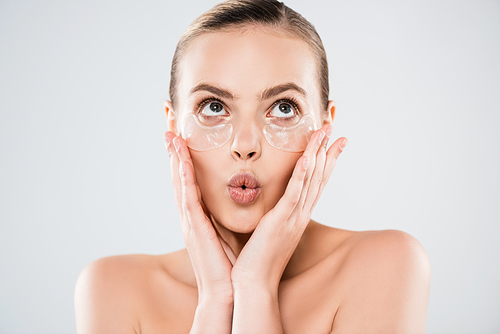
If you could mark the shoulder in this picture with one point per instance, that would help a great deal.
(105, 294)
(385, 283)
(115, 272)
(388, 253)
(390, 248)
(110, 292)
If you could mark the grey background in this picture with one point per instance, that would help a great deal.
(84, 173)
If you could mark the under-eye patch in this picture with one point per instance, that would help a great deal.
(281, 134)
(292, 138)
(202, 137)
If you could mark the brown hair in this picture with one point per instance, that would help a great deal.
(231, 14)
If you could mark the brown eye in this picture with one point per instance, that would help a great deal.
(283, 110)
(213, 109)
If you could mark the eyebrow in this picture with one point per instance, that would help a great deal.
(273, 91)
(266, 94)
(212, 89)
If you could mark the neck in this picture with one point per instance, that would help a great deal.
(297, 263)
(235, 241)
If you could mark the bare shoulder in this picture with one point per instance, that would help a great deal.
(113, 294)
(386, 247)
(109, 292)
(385, 280)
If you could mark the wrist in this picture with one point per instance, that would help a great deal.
(212, 315)
(256, 309)
(218, 298)
(263, 281)
(220, 306)
(257, 288)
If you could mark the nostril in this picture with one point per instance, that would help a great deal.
(248, 156)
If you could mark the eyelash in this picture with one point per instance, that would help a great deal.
(207, 100)
(292, 101)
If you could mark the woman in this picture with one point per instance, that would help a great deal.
(249, 122)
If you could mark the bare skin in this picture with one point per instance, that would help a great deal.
(334, 283)
(261, 267)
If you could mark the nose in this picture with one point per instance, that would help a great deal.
(246, 143)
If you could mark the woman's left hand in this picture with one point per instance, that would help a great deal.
(264, 258)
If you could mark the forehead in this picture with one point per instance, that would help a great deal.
(247, 61)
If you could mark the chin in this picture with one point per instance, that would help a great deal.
(240, 220)
(241, 229)
(241, 223)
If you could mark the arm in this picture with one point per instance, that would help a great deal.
(258, 269)
(211, 265)
(256, 309)
(213, 315)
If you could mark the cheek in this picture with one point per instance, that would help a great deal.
(212, 178)
(208, 173)
(278, 171)
(214, 168)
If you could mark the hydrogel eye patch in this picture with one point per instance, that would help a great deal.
(201, 137)
(293, 138)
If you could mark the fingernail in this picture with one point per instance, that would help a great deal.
(176, 143)
(329, 131)
(343, 144)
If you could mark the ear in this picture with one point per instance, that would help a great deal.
(330, 115)
(171, 119)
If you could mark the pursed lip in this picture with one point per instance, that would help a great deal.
(243, 187)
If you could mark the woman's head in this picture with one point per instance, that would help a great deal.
(248, 66)
(234, 14)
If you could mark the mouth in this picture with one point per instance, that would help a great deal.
(243, 188)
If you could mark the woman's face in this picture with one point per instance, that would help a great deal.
(234, 73)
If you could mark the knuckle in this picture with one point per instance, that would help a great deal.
(305, 189)
(188, 207)
(294, 200)
(301, 177)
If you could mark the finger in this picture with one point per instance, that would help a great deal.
(183, 155)
(286, 205)
(311, 153)
(190, 200)
(182, 150)
(169, 136)
(331, 159)
(174, 170)
(202, 240)
(176, 183)
(332, 155)
(191, 204)
(317, 175)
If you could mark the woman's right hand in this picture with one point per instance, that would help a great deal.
(211, 265)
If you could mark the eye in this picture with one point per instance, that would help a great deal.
(214, 108)
(283, 109)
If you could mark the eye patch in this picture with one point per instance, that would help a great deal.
(282, 135)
